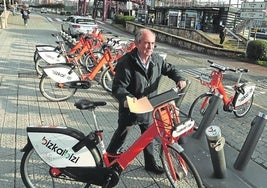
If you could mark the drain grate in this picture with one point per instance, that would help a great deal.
(27, 75)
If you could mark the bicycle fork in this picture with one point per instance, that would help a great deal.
(179, 171)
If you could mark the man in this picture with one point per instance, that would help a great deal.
(222, 34)
(137, 75)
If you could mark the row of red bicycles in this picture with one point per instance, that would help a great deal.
(63, 72)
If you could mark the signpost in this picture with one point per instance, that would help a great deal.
(254, 11)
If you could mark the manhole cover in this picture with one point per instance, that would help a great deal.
(27, 75)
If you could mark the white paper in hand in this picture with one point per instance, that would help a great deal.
(139, 106)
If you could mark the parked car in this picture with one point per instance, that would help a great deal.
(74, 25)
(43, 10)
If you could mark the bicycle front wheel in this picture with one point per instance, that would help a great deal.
(91, 62)
(199, 107)
(186, 175)
(242, 110)
(106, 78)
(55, 91)
(35, 173)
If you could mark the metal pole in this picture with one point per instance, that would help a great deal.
(216, 143)
(257, 127)
(209, 115)
(184, 90)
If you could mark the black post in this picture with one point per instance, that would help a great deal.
(216, 143)
(257, 127)
(209, 115)
(184, 90)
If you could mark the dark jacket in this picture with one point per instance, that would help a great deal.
(25, 13)
(132, 80)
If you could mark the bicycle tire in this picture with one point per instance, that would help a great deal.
(89, 63)
(242, 110)
(35, 173)
(39, 65)
(35, 56)
(54, 91)
(106, 78)
(186, 178)
(198, 107)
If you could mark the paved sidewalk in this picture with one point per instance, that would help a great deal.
(21, 104)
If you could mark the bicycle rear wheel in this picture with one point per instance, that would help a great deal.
(55, 91)
(35, 55)
(242, 110)
(106, 78)
(39, 65)
(35, 173)
(199, 107)
(185, 171)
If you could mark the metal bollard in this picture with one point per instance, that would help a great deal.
(209, 115)
(257, 127)
(184, 90)
(216, 143)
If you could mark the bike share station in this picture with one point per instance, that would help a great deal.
(219, 164)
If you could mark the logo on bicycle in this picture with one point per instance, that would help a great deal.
(57, 73)
(60, 151)
(248, 92)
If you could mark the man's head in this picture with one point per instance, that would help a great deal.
(145, 42)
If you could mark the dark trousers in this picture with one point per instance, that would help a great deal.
(222, 40)
(126, 122)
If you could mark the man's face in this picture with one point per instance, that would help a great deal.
(146, 45)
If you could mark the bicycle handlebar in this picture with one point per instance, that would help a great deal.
(223, 68)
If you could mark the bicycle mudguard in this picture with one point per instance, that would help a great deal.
(178, 147)
(54, 146)
(45, 48)
(61, 73)
(52, 57)
(242, 97)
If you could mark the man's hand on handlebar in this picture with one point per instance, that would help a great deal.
(181, 84)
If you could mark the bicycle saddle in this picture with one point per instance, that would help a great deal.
(84, 104)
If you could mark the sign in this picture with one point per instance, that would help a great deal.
(252, 15)
(253, 5)
(129, 5)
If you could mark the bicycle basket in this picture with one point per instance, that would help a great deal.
(166, 116)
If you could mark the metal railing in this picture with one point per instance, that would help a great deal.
(229, 31)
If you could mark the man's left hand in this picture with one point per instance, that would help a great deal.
(181, 84)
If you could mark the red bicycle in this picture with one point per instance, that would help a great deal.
(239, 103)
(61, 156)
(61, 81)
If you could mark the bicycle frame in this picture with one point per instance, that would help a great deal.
(216, 84)
(165, 116)
(107, 59)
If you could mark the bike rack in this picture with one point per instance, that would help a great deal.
(209, 115)
(257, 127)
